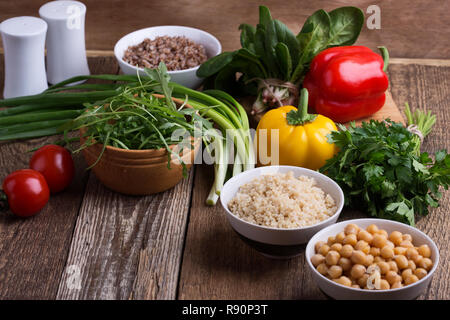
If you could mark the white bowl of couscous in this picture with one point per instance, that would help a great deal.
(277, 209)
(397, 261)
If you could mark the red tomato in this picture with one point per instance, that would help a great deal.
(27, 192)
(56, 165)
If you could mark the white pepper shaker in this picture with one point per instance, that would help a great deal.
(66, 49)
(24, 50)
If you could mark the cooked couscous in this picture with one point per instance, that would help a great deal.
(282, 201)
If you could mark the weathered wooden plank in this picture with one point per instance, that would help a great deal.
(33, 251)
(127, 247)
(218, 265)
(429, 87)
(402, 21)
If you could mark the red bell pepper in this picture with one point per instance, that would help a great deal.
(347, 83)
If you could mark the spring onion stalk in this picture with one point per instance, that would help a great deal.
(420, 124)
(32, 126)
(237, 165)
(40, 116)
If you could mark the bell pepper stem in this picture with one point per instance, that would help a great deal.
(385, 54)
(301, 116)
(303, 103)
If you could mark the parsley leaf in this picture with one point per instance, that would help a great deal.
(380, 171)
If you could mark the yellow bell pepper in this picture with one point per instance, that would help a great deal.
(301, 139)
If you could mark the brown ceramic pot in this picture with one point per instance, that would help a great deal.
(137, 172)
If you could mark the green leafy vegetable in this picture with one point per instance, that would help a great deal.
(270, 51)
(381, 171)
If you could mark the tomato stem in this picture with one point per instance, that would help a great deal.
(3, 201)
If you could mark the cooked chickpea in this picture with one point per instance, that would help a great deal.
(351, 229)
(406, 273)
(390, 244)
(350, 239)
(402, 262)
(345, 263)
(411, 279)
(412, 254)
(407, 237)
(396, 237)
(364, 235)
(384, 285)
(384, 267)
(425, 263)
(357, 271)
(372, 229)
(322, 269)
(375, 251)
(400, 250)
(358, 257)
(318, 245)
(324, 249)
(379, 240)
(425, 251)
(406, 244)
(317, 259)
(420, 273)
(354, 255)
(331, 240)
(334, 272)
(363, 280)
(383, 233)
(332, 258)
(363, 246)
(340, 237)
(392, 277)
(387, 252)
(369, 260)
(417, 259)
(393, 266)
(336, 247)
(344, 281)
(346, 251)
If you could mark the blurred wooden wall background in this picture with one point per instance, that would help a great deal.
(409, 28)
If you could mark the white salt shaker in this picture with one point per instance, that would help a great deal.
(24, 49)
(66, 50)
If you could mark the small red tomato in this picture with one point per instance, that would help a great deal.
(56, 165)
(27, 192)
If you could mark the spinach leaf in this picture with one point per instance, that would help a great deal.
(346, 25)
(247, 54)
(215, 64)
(284, 59)
(248, 37)
(264, 15)
(312, 39)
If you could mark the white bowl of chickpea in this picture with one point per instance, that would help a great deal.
(372, 259)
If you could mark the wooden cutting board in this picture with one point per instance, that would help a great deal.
(389, 110)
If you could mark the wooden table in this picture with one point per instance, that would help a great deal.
(92, 243)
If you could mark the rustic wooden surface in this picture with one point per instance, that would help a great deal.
(170, 245)
(410, 29)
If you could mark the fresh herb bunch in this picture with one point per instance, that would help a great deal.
(136, 119)
(273, 61)
(380, 171)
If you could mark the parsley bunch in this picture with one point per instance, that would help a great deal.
(380, 171)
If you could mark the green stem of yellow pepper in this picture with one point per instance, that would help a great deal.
(301, 116)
